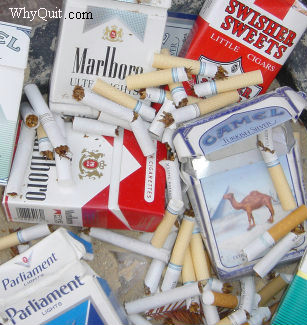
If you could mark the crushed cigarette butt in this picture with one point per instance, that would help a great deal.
(167, 119)
(62, 151)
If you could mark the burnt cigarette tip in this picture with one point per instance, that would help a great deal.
(189, 73)
(221, 73)
(147, 290)
(227, 288)
(182, 103)
(135, 116)
(78, 93)
(142, 93)
(62, 151)
(194, 308)
(117, 131)
(167, 119)
(48, 155)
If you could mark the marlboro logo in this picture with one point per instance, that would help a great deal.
(91, 164)
(113, 34)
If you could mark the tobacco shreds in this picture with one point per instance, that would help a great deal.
(47, 154)
(31, 121)
(189, 213)
(167, 119)
(227, 288)
(189, 73)
(78, 93)
(146, 290)
(183, 103)
(117, 131)
(62, 151)
(142, 93)
(135, 116)
(221, 73)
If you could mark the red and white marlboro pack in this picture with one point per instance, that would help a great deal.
(114, 186)
(246, 36)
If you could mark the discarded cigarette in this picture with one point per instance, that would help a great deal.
(157, 126)
(156, 267)
(174, 267)
(273, 287)
(110, 119)
(91, 126)
(236, 318)
(137, 319)
(242, 80)
(248, 291)
(24, 236)
(142, 136)
(157, 78)
(162, 231)
(104, 89)
(219, 286)
(167, 136)
(270, 260)
(130, 244)
(44, 145)
(164, 298)
(276, 232)
(162, 61)
(29, 117)
(211, 314)
(155, 94)
(200, 260)
(21, 159)
(263, 314)
(204, 106)
(46, 119)
(281, 185)
(226, 300)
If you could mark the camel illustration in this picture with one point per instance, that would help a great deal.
(254, 200)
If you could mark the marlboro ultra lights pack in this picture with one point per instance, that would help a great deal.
(114, 185)
(246, 36)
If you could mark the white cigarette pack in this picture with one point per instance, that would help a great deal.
(226, 183)
(14, 49)
(102, 192)
(50, 284)
(114, 39)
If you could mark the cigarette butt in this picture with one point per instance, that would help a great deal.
(29, 117)
(44, 145)
(187, 273)
(220, 299)
(230, 83)
(91, 126)
(247, 293)
(156, 78)
(281, 228)
(166, 224)
(271, 289)
(236, 318)
(212, 315)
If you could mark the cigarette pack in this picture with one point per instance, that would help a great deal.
(227, 176)
(114, 39)
(14, 44)
(50, 283)
(103, 191)
(246, 36)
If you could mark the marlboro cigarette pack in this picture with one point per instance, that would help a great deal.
(114, 39)
(113, 185)
(14, 48)
(50, 283)
(249, 35)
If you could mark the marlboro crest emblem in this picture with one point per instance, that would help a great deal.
(91, 164)
(113, 34)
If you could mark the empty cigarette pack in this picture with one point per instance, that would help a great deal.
(113, 185)
(249, 35)
(115, 38)
(50, 283)
(228, 181)
(14, 45)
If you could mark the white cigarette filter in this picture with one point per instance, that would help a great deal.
(44, 145)
(130, 244)
(164, 228)
(275, 233)
(106, 90)
(137, 319)
(270, 260)
(29, 117)
(156, 267)
(157, 78)
(112, 120)
(214, 87)
(63, 170)
(24, 236)
(155, 94)
(262, 315)
(236, 318)
(163, 298)
(248, 291)
(164, 61)
(21, 159)
(157, 126)
(46, 119)
(281, 185)
(142, 136)
(91, 126)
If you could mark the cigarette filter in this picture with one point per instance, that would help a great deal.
(188, 274)
(156, 78)
(214, 87)
(269, 261)
(273, 287)
(29, 117)
(92, 126)
(162, 231)
(155, 94)
(137, 319)
(104, 89)
(24, 236)
(44, 145)
(236, 318)
(281, 185)
(129, 243)
(163, 61)
(248, 291)
(22, 155)
(220, 299)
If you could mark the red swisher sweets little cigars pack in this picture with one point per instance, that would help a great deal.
(245, 36)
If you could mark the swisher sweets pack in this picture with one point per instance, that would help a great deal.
(227, 177)
(246, 36)
(103, 193)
